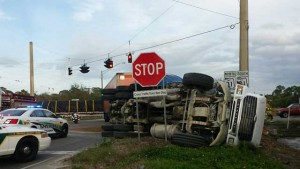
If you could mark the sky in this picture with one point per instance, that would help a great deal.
(69, 33)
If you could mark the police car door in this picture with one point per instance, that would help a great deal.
(53, 121)
(40, 121)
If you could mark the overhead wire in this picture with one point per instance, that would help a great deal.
(208, 10)
(231, 26)
(138, 33)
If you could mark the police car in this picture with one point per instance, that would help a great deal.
(36, 118)
(23, 143)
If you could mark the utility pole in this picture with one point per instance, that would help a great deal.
(31, 70)
(244, 27)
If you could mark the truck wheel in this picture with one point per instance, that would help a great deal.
(123, 127)
(26, 149)
(197, 79)
(106, 117)
(124, 95)
(188, 140)
(122, 134)
(108, 97)
(285, 114)
(107, 133)
(108, 91)
(107, 127)
(123, 88)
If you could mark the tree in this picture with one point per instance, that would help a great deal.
(279, 89)
(23, 92)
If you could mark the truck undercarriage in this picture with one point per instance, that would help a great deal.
(197, 111)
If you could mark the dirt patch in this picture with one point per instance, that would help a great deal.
(286, 155)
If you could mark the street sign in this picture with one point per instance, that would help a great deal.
(236, 77)
(148, 69)
(149, 93)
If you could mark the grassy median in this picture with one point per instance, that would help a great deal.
(156, 153)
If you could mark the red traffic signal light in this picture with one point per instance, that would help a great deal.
(109, 64)
(129, 58)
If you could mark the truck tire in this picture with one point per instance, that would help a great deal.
(197, 79)
(122, 134)
(106, 117)
(139, 87)
(107, 133)
(188, 140)
(124, 95)
(107, 127)
(108, 97)
(123, 88)
(123, 127)
(108, 91)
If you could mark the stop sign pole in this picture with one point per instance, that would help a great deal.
(148, 70)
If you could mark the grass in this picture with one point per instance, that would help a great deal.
(155, 153)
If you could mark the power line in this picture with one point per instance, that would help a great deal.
(232, 26)
(207, 9)
(134, 36)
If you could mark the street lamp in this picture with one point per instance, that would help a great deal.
(106, 70)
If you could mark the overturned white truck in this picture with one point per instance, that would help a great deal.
(198, 110)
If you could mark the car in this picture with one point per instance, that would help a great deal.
(294, 110)
(22, 143)
(36, 117)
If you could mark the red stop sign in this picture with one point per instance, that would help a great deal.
(148, 69)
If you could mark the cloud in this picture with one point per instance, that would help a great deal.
(86, 10)
(4, 16)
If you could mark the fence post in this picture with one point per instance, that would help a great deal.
(93, 106)
(77, 106)
(48, 104)
(85, 104)
(69, 106)
(55, 107)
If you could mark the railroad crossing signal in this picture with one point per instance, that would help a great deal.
(109, 64)
(84, 69)
(69, 71)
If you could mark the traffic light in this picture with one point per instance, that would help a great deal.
(84, 69)
(109, 64)
(69, 71)
(129, 58)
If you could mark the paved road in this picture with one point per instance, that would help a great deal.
(292, 118)
(60, 148)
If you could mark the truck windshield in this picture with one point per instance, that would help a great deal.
(12, 112)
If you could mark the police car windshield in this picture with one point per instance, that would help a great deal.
(15, 112)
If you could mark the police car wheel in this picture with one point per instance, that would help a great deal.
(26, 149)
(64, 131)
